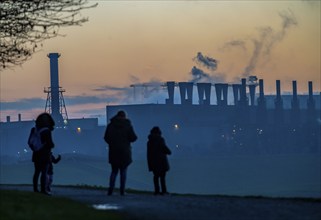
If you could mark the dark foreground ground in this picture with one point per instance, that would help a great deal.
(184, 207)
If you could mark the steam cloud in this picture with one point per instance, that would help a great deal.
(264, 44)
(268, 39)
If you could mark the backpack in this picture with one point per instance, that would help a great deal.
(34, 141)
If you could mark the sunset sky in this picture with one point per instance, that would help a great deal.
(134, 42)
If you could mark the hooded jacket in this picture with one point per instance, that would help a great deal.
(157, 152)
(118, 135)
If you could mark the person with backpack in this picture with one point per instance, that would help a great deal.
(157, 152)
(41, 143)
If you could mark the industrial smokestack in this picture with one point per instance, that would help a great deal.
(261, 99)
(224, 88)
(54, 88)
(218, 89)
(170, 89)
(261, 110)
(243, 98)
(204, 93)
(261, 85)
(207, 89)
(295, 101)
(186, 91)
(182, 91)
(278, 89)
(295, 111)
(310, 90)
(311, 103)
(200, 91)
(278, 99)
(252, 93)
(236, 93)
(189, 88)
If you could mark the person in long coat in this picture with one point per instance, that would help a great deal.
(157, 152)
(119, 135)
(41, 158)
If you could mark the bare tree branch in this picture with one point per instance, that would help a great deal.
(25, 24)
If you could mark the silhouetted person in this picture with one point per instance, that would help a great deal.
(41, 158)
(53, 160)
(119, 134)
(157, 152)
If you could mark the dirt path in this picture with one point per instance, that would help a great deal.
(148, 206)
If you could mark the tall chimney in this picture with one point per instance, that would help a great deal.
(261, 99)
(295, 111)
(243, 98)
(261, 110)
(278, 99)
(224, 88)
(182, 91)
(204, 93)
(207, 89)
(295, 101)
(311, 103)
(54, 86)
(236, 93)
(218, 89)
(252, 93)
(170, 88)
(189, 88)
(200, 91)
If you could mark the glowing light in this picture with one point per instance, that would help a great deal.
(78, 129)
(176, 126)
(177, 146)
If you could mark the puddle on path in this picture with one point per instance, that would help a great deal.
(106, 207)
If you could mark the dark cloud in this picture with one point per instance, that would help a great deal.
(110, 88)
(23, 104)
(35, 103)
(208, 62)
(199, 75)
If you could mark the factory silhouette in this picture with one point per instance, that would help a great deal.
(253, 124)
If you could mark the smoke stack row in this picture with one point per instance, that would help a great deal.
(221, 93)
(239, 94)
(186, 92)
(204, 93)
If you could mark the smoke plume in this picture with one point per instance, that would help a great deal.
(263, 44)
(201, 76)
(206, 61)
(268, 39)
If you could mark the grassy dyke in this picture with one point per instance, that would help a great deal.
(24, 205)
